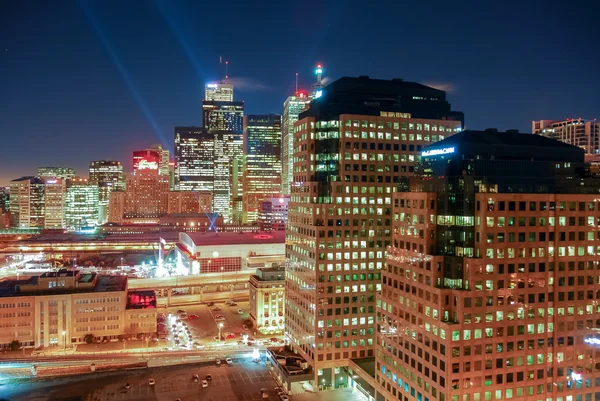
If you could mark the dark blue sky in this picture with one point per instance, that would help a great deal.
(92, 80)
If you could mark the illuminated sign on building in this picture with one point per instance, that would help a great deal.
(436, 152)
(211, 85)
(318, 94)
(592, 341)
(51, 182)
(145, 164)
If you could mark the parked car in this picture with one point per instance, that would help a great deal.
(204, 383)
(193, 317)
(264, 393)
(208, 377)
(284, 397)
(245, 327)
(127, 386)
(211, 303)
(240, 312)
(183, 316)
(180, 311)
(229, 361)
(195, 378)
(218, 361)
(216, 309)
(151, 382)
(278, 390)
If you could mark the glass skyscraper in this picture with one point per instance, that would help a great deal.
(262, 160)
(292, 107)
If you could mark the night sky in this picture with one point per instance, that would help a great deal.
(93, 80)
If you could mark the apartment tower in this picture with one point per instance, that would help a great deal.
(574, 131)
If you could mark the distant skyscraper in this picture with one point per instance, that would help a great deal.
(4, 199)
(218, 92)
(194, 159)
(574, 131)
(81, 204)
(292, 107)
(27, 202)
(273, 214)
(54, 203)
(262, 162)
(223, 116)
(108, 176)
(56, 172)
(229, 159)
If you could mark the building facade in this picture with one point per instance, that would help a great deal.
(64, 173)
(146, 194)
(223, 116)
(194, 159)
(82, 209)
(267, 299)
(219, 92)
(490, 286)
(59, 309)
(350, 149)
(273, 214)
(27, 202)
(190, 202)
(292, 107)
(262, 162)
(108, 175)
(54, 203)
(574, 131)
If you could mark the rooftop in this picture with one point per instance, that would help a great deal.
(509, 145)
(235, 238)
(10, 288)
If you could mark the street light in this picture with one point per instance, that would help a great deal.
(64, 333)
(220, 327)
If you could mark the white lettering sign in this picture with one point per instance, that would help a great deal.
(436, 152)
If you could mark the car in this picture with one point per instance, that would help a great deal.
(184, 324)
(162, 315)
(220, 318)
(216, 309)
(245, 328)
(240, 312)
(284, 397)
(151, 382)
(164, 349)
(264, 393)
(229, 361)
(210, 303)
(204, 383)
(193, 317)
(208, 377)
(195, 378)
(180, 311)
(183, 316)
(127, 386)
(218, 361)
(278, 390)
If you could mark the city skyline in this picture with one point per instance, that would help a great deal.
(108, 93)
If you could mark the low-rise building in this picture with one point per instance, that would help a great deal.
(230, 251)
(267, 299)
(64, 307)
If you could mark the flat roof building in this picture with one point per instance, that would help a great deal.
(267, 299)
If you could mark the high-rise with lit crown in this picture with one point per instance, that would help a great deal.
(219, 92)
(351, 147)
(262, 162)
(491, 286)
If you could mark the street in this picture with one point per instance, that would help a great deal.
(240, 382)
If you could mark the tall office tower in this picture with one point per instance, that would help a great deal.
(56, 172)
(262, 162)
(218, 92)
(350, 149)
(491, 284)
(108, 176)
(292, 107)
(147, 195)
(81, 204)
(574, 131)
(194, 159)
(229, 172)
(54, 203)
(164, 158)
(27, 202)
(223, 116)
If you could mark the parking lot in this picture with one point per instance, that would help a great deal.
(203, 326)
(240, 382)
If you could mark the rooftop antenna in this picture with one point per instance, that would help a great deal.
(296, 84)
(226, 65)
(220, 69)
